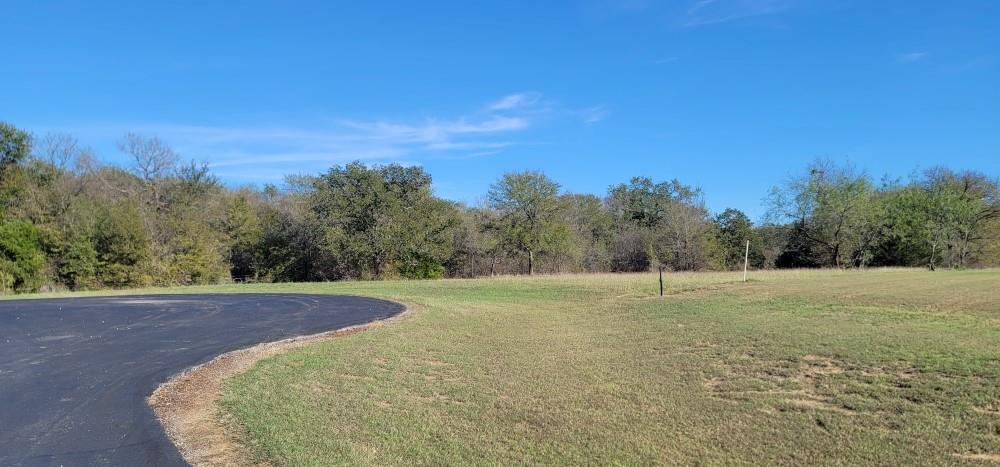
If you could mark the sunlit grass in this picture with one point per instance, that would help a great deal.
(800, 367)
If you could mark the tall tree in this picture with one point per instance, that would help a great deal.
(832, 208)
(384, 220)
(665, 221)
(592, 230)
(733, 229)
(153, 163)
(21, 256)
(945, 217)
(531, 218)
(15, 146)
(243, 229)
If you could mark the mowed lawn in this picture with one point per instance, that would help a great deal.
(882, 366)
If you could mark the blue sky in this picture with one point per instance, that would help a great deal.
(729, 95)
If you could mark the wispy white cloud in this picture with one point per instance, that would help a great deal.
(911, 57)
(346, 140)
(594, 114)
(269, 152)
(434, 131)
(515, 101)
(708, 12)
(239, 158)
(245, 151)
(469, 145)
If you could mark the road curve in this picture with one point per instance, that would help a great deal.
(75, 373)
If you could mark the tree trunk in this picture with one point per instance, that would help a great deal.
(531, 262)
(376, 266)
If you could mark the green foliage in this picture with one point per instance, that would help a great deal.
(377, 219)
(79, 266)
(631, 249)
(834, 209)
(124, 247)
(196, 257)
(593, 229)
(15, 145)
(477, 250)
(21, 256)
(292, 244)
(645, 203)
(944, 218)
(421, 267)
(664, 222)
(732, 231)
(840, 219)
(530, 216)
(243, 228)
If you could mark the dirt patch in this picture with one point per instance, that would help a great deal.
(783, 384)
(817, 403)
(815, 365)
(982, 457)
(991, 409)
(186, 404)
(714, 384)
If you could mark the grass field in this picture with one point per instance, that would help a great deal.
(795, 367)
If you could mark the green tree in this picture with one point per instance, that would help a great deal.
(384, 220)
(124, 247)
(243, 229)
(665, 222)
(292, 242)
(192, 244)
(944, 218)
(732, 231)
(21, 256)
(834, 211)
(592, 228)
(78, 264)
(476, 248)
(644, 203)
(15, 146)
(971, 201)
(531, 218)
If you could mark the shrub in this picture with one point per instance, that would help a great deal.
(21, 256)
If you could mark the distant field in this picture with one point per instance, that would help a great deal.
(794, 367)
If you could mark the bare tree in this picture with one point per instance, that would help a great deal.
(58, 149)
(67, 157)
(153, 161)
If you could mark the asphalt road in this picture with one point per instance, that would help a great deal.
(75, 373)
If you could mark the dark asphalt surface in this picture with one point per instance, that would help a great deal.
(75, 373)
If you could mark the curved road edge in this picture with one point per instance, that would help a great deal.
(185, 404)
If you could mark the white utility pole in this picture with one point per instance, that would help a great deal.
(746, 259)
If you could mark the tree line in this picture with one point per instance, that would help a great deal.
(68, 221)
